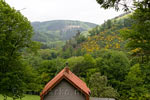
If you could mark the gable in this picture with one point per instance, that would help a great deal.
(71, 78)
(64, 91)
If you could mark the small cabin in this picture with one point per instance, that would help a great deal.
(65, 86)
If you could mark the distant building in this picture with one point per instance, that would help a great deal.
(94, 98)
(65, 86)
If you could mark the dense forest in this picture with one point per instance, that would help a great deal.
(112, 58)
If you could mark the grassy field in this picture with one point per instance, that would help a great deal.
(27, 97)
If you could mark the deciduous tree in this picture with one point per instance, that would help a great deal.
(99, 87)
(15, 36)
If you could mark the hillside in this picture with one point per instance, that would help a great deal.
(54, 33)
(104, 36)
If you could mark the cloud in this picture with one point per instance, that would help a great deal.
(83, 10)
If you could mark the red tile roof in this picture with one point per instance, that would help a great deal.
(70, 77)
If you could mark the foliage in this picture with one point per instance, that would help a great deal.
(72, 46)
(82, 66)
(15, 37)
(145, 70)
(134, 82)
(114, 65)
(138, 37)
(48, 69)
(99, 88)
(48, 54)
(107, 35)
(126, 4)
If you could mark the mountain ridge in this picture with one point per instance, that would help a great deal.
(52, 32)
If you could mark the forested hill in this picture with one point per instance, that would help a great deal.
(104, 36)
(56, 31)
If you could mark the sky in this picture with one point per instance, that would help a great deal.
(46, 10)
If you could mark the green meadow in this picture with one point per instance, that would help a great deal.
(27, 97)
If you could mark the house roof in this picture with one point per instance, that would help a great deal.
(70, 77)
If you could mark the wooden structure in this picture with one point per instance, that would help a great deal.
(65, 86)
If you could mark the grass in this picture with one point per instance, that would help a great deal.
(27, 97)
